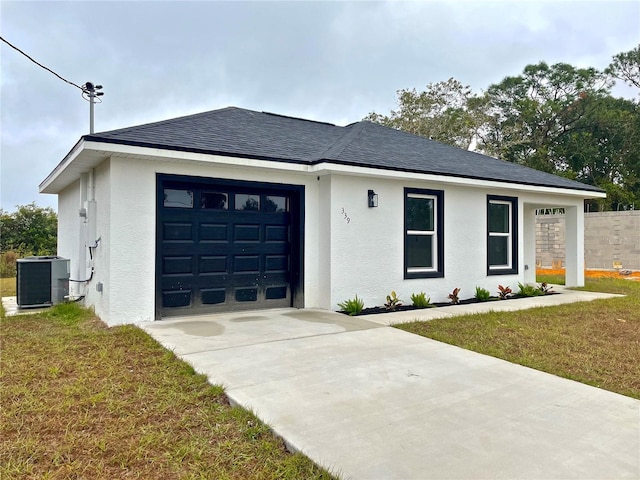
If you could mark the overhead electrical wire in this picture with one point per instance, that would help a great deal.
(40, 65)
(84, 89)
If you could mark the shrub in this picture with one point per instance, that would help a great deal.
(420, 300)
(504, 292)
(29, 229)
(528, 290)
(482, 294)
(453, 296)
(393, 301)
(352, 306)
(8, 263)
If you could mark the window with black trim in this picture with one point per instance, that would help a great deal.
(502, 235)
(423, 233)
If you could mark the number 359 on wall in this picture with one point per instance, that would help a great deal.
(346, 216)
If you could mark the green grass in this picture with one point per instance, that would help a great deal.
(555, 279)
(80, 400)
(597, 342)
(612, 285)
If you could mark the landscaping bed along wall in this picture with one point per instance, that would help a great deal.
(355, 306)
(611, 240)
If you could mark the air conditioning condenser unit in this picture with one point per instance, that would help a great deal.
(42, 281)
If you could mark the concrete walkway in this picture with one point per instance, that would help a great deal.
(372, 402)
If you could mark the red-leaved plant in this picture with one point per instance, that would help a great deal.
(453, 296)
(504, 292)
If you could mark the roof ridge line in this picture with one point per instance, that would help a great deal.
(298, 118)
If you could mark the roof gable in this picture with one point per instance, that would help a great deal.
(238, 132)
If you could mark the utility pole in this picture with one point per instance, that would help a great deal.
(90, 93)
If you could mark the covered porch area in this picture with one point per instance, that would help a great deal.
(573, 260)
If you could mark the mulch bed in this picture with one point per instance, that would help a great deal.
(467, 301)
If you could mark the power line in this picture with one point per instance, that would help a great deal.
(40, 65)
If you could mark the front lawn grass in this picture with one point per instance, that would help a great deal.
(80, 400)
(597, 342)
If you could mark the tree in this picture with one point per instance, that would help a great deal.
(530, 113)
(447, 112)
(30, 230)
(555, 118)
(602, 150)
(625, 66)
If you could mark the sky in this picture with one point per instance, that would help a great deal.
(330, 61)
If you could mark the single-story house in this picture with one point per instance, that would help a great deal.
(237, 209)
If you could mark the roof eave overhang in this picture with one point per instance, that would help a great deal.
(88, 153)
(337, 168)
(48, 184)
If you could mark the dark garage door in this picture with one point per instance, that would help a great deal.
(226, 246)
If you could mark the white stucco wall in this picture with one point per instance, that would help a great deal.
(127, 224)
(101, 263)
(367, 248)
(349, 248)
(367, 253)
(68, 232)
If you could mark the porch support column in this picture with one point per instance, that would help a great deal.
(529, 243)
(574, 242)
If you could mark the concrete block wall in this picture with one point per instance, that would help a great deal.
(609, 238)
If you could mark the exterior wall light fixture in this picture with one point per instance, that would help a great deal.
(372, 199)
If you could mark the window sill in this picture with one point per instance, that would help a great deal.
(410, 275)
(502, 271)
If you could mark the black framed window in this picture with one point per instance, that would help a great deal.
(214, 200)
(178, 198)
(423, 233)
(502, 235)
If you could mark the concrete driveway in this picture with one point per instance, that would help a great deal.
(368, 401)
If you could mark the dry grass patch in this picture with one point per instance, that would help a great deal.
(80, 400)
(8, 287)
(596, 342)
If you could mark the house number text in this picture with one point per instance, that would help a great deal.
(346, 216)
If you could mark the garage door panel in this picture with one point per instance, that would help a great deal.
(246, 264)
(277, 233)
(213, 296)
(213, 232)
(213, 264)
(246, 233)
(276, 263)
(246, 294)
(176, 298)
(277, 292)
(177, 231)
(177, 265)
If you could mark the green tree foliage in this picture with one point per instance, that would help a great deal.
(602, 150)
(447, 112)
(556, 118)
(30, 230)
(532, 112)
(626, 67)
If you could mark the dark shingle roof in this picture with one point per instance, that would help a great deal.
(244, 133)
